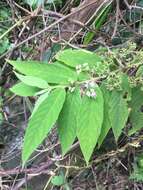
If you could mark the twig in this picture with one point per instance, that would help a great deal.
(25, 10)
(132, 6)
(108, 2)
(19, 22)
(117, 19)
(50, 26)
(34, 171)
(22, 182)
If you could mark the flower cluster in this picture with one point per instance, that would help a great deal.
(83, 67)
(91, 93)
(90, 84)
(114, 81)
(100, 70)
(90, 89)
(71, 89)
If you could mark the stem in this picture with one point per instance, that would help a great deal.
(19, 22)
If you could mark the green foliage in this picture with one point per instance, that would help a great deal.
(32, 81)
(5, 15)
(34, 3)
(68, 119)
(51, 73)
(39, 101)
(86, 93)
(140, 3)
(137, 173)
(58, 180)
(54, 1)
(90, 120)
(98, 22)
(22, 89)
(118, 112)
(42, 121)
(75, 58)
(1, 103)
(136, 115)
(4, 45)
(106, 125)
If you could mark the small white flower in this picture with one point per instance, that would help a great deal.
(93, 94)
(92, 84)
(86, 85)
(78, 71)
(72, 89)
(88, 93)
(78, 67)
(92, 90)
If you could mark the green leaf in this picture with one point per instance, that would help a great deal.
(22, 89)
(57, 2)
(137, 174)
(83, 76)
(32, 81)
(106, 126)
(68, 120)
(4, 45)
(42, 121)
(39, 101)
(90, 120)
(73, 58)
(1, 118)
(58, 180)
(118, 113)
(136, 115)
(99, 21)
(140, 3)
(139, 72)
(52, 73)
(35, 3)
(89, 37)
